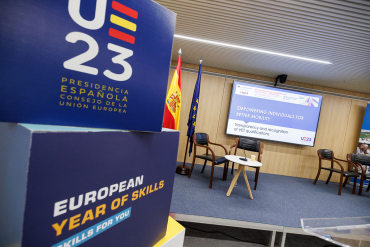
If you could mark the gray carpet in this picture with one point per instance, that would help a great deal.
(278, 200)
(206, 242)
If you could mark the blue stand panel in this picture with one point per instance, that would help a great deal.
(99, 64)
(86, 187)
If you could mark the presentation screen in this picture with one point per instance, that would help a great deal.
(274, 114)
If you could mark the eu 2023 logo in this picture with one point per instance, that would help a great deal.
(306, 139)
(76, 63)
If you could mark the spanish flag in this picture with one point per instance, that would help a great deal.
(173, 100)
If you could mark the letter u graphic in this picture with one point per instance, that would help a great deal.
(96, 23)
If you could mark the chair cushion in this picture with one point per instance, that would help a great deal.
(361, 158)
(248, 144)
(351, 174)
(218, 159)
(326, 153)
(346, 173)
(201, 138)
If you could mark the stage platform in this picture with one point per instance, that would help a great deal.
(279, 204)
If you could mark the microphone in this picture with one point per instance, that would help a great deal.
(244, 159)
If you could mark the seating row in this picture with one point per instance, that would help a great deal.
(357, 166)
(356, 169)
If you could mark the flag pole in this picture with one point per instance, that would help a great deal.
(186, 150)
(183, 169)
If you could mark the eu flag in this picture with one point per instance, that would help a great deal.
(194, 109)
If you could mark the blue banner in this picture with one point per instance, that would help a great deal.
(77, 182)
(363, 146)
(102, 64)
(366, 122)
(93, 231)
(364, 141)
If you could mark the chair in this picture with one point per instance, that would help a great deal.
(361, 160)
(326, 154)
(202, 140)
(249, 145)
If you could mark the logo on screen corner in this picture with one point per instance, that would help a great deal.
(309, 101)
(306, 139)
(243, 90)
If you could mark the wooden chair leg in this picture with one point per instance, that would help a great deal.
(192, 166)
(213, 167)
(345, 182)
(204, 166)
(354, 187)
(227, 169)
(340, 183)
(361, 186)
(232, 169)
(223, 175)
(318, 175)
(327, 181)
(256, 178)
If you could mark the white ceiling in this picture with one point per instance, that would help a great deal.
(331, 30)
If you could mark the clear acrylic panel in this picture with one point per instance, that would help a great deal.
(353, 231)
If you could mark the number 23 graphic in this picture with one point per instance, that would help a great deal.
(76, 63)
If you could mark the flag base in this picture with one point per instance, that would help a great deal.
(182, 170)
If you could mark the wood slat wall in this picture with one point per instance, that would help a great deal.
(339, 125)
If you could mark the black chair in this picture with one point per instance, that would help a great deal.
(249, 145)
(202, 140)
(326, 154)
(361, 160)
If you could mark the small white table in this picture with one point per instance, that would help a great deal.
(242, 164)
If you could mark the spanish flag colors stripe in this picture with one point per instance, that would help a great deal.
(173, 100)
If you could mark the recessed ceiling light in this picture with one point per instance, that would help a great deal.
(250, 49)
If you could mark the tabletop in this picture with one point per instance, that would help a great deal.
(236, 159)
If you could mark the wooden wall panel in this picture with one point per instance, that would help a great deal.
(339, 125)
(222, 138)
(281, 158)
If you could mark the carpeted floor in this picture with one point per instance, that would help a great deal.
(207, 242)
(278, 200)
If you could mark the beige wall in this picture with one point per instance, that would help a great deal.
(339, 125)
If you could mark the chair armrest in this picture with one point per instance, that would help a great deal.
(208, 148)
(342, 160)
(355, 164)
(220, 146)
(341, 167)
(358, 166)
(231, 148)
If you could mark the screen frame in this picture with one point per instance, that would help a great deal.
(247, 82)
